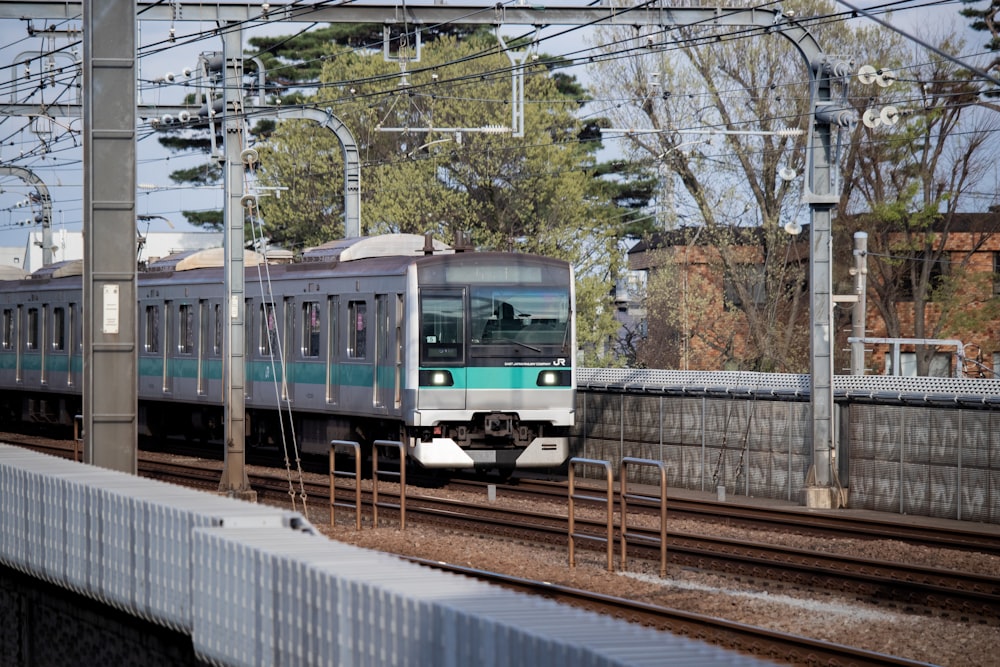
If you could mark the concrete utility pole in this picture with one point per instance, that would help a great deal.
(110, 359)
(234, 476)
(822, 198)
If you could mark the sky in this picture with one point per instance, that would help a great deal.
(157, 197)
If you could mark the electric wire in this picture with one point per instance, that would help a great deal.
(765, 5)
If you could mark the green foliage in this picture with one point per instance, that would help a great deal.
(541, 193)
(307, 161)
(211, 220)
(299, 58)
(207, 173)
(596, 326)
(984, 19)
(204, 174)
(535, 194)
(178, 143)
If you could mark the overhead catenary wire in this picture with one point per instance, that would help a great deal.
(500, 71)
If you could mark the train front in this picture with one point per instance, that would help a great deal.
(492, 353)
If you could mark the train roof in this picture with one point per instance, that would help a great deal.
(200, 259)
(368, 247)
(12, 272)
(66, 269)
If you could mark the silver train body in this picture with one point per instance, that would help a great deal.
(465, 357)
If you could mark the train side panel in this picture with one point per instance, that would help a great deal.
(40, 351)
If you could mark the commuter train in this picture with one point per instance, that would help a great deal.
(466, 357)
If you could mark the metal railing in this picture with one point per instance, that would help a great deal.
(334, 473)
(401, 476)
(609, 500)
(661, 500)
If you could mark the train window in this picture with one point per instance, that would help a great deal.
(357, 318)
(310, 329)
(268, 329)
(442, 327)
(8, 328)
(59, 328)
(31, 342)
(152, 341)
(524, 316)
(185, 341)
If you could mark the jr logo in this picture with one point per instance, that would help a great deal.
(559, 362)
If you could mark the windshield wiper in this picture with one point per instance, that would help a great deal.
(516, 342)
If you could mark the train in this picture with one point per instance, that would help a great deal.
(466, 357)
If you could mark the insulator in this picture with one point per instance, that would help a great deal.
(249, 157)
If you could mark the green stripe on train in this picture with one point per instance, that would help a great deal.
(54, 362)
(314, 373)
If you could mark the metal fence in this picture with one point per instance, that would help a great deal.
(927, 448)
(929, 461)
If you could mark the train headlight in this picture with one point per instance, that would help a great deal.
(436, 378)
(554, 379)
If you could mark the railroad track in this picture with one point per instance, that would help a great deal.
(909, 588)
(763, 643)
(826, 525)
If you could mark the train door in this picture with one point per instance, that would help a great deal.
(71, 343)
(307, 359)
(204, 322)
(9, 343)
(219, 322)
(31, 364)
(286, 360)
(41, 336)
(397, 347)
(250, 334)
(168, 339)
(359, 362)
(443, 335)
(383, 359)
(19, 363)
(58, 339)
(186, 353)
(333, 351)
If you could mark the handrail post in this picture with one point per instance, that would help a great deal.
(357, 480)
(662, 500)
(401, 475)
(609, 500)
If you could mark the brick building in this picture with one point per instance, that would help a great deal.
(713, 312)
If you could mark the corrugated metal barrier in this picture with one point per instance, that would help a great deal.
(921, 446)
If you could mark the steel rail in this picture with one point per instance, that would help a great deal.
(839, 524)
(758, 641)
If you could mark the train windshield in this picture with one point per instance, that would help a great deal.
(529, 317)
(442, 326)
